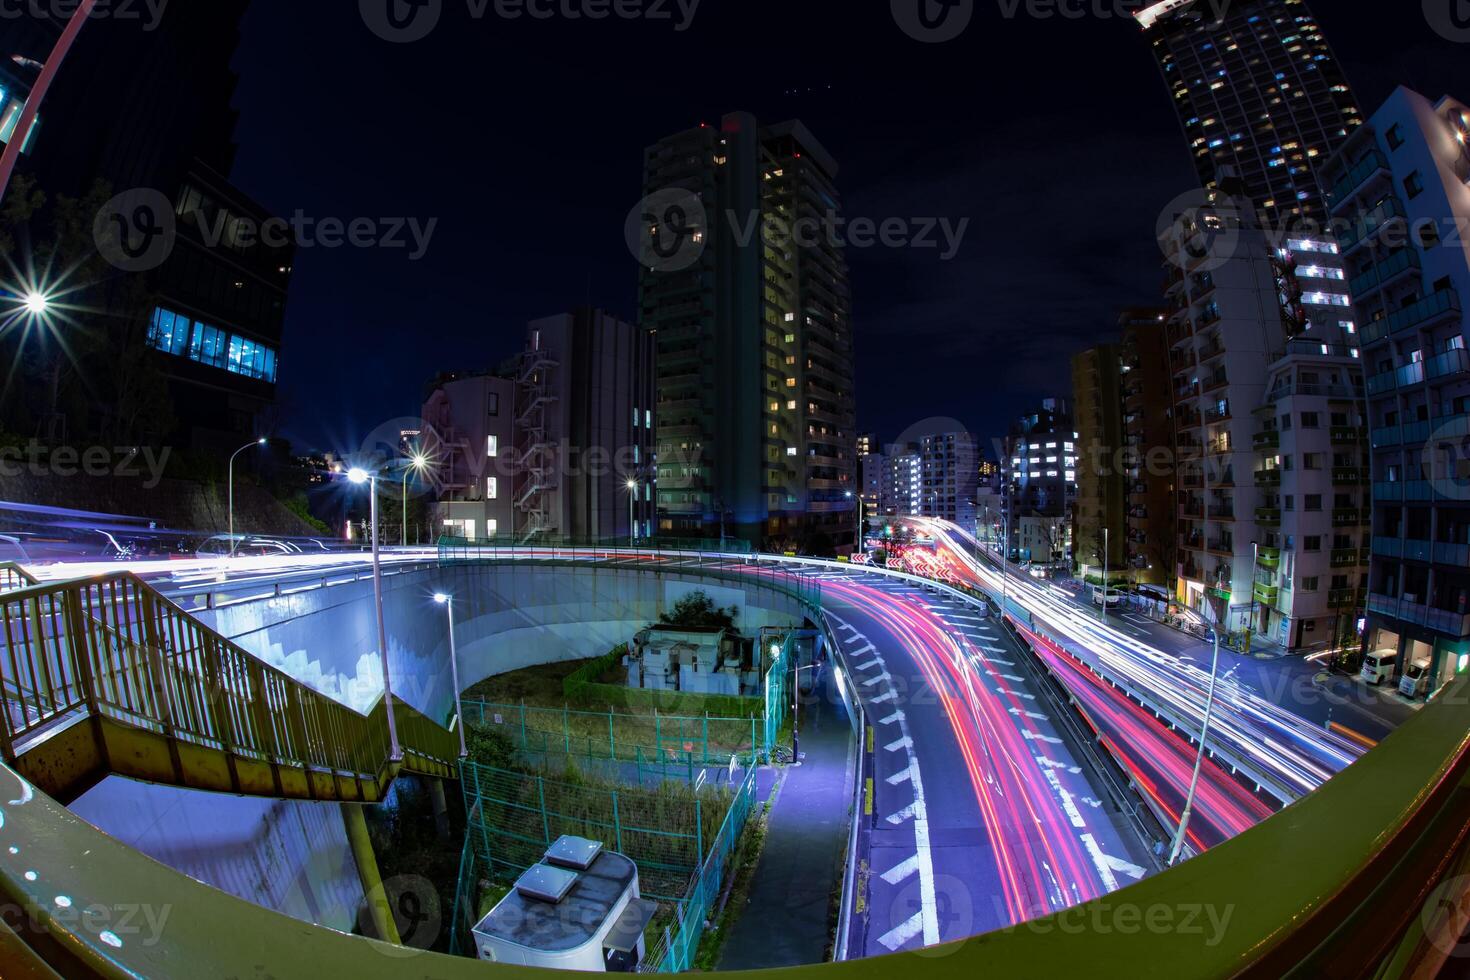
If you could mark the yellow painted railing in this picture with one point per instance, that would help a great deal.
(106, 676)
(13, 576)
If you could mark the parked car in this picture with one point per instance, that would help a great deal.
(1108, 598)
(1415, 682)
(1378, 667)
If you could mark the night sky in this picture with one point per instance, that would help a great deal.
(524, 139)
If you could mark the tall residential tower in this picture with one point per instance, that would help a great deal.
(756, 420)
(1258, 91)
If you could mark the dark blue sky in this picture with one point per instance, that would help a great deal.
(524, 138)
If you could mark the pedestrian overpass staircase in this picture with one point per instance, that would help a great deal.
(105, 676)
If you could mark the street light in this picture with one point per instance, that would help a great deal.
(1105, 575)
(632, 518)
(447, 601)
(37, 304)
(416, 464)
(248, 445)
(360, 476)
(1204, 735)
(858, 543)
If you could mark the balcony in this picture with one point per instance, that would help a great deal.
(1449, 364)
(1267, 594)
(1269, 557)
(1370, 223)
(1221, 546)
(1373, 165)
(1452, 624)
(1342, 598)
(1426, 312)
(1388, 437)
(1214, 384)
(1350, 517)
(1404, 377)
(1387, 272)
(1271, 439)
(1346, 435)
(1349, 474)
(1347, 558)
(1457, 555)
(1268, 478)
(1269, 516)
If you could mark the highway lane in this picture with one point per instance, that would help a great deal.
(1287, 754)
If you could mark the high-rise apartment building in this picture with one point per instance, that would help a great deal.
(755, 408)
(1040, 483)
(903, 481)
(1266, 376)
(1100, 532)
(1148, 436)
(1401, 206)
(949, 471)
(1259, 92)
(584, 430)
(559, 446)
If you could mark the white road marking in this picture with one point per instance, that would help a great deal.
(907, 813)
(1124, 867)
(1054, 764)
(1101, 862)
(902, 933)
(1011, 677)
(901, 871)
(1029, 714)
(881, 678)
(887, 695)
(857, 638)
(896, 716)
(869, 665)
(903, 743)
(1034, 737)
(901, 777)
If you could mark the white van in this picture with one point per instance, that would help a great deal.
(1378, 667)
(1111, 598)
(1415, 682)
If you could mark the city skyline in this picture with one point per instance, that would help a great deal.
(903, 164)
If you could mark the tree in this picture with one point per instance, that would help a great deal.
(698, 611)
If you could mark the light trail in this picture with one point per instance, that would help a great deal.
(1296, 754)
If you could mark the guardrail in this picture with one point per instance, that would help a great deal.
(15, 576)
(106, 676)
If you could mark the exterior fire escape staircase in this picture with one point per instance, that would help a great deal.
(537, 456)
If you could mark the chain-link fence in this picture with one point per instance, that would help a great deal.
(539, 732)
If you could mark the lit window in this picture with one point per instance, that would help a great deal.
(492, 446)
(492, 488)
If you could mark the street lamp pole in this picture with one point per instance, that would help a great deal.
(448, 602)
(632, 512)
(1255, 570)
(257, 442)
(1199, 758)
(32, 108)
(415, 464)
(359, 477)
(1106, 590)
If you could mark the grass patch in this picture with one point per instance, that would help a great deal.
(747, 859)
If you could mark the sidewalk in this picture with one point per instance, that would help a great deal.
(788, 919)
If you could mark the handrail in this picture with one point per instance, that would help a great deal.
(186, 704)
(13, 575)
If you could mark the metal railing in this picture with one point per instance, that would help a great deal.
(149, 677)
(14, 576)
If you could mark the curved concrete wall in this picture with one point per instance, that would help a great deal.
(293, 856)
(507, 617)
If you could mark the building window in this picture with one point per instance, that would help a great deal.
(492, 446)
(493, 403)
(1414, 185)
(173, 333)
(1395, 136)
(491, 527)
(1310, 584)
(492, 488)
(1314, 502)
(1311, 420)
(1312, 543)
